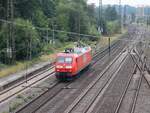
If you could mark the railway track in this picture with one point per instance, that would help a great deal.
(27, 79)
(125, 91)
(121, 104)
(128, 99)
(107, 105)
(47, 96)
(142, 101)
(37, 78)
(139, 75)
(28, 76)
(74, 107)
(42, 70)
(107, 101)
(117, 46)
(136, 95)
(15, 90)
(33, 106)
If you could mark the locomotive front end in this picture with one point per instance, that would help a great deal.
(64, 66)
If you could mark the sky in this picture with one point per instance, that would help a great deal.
(129, 2)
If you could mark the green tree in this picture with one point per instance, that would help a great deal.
(27, 39)
(67, 15)
(112, 27)
(111, 13)
(3, 4)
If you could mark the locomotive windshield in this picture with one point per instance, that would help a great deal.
(64, 60)
(68, 60)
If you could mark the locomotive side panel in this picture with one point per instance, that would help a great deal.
(89, 57)
(83, 61)
(79, 63)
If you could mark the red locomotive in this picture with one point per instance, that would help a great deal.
(72, 61)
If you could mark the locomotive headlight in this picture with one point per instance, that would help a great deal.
(68, 67)
(59, 66)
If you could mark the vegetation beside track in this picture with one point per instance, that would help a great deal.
(104, 40)
(50, 53)
(22, 65)
(41, 29)
(37, 24)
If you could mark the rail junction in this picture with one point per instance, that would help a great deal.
(112, 84)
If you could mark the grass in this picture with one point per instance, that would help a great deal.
(14, 106)
(5, 112)
(12, 69)
(49, 56)
(104, 40)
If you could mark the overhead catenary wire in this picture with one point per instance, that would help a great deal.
(59, 31)
(4, 50)
(49, 29)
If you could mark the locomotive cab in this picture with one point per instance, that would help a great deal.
(71, 62)
(65, 65)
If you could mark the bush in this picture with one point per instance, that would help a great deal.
(112, 27)
(93, 31)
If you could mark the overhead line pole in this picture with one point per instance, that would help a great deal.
(100, 16)
(125, 15)
(120, 16)
(78, 26)
(10, 39)
(148, 16)
(12, 30)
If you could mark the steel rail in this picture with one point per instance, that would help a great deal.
(30, 103)
(51, 66)
(24, 78)
(76, 102)
(24, 88)
(125, 91)
(136, 94)
(141, 70)
(5, 91)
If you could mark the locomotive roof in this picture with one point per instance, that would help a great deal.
(76, 52)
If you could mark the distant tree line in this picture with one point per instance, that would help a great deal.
(65, 15)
